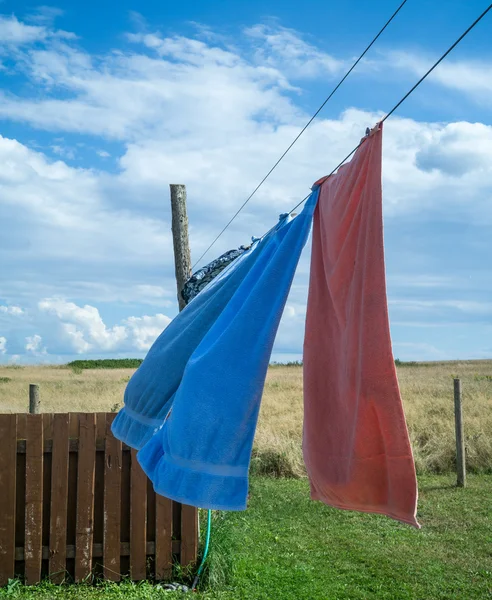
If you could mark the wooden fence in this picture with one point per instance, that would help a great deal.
(74, 503)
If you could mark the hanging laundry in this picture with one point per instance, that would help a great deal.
(201, 454)
(150, 392)
(204, 276)
(356, 446)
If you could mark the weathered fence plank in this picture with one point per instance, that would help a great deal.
(21, 426)
(163, 537)
(48, 426)
(138, 520)
(86, 469)
(189, 534)
(33, 538)
(112, 504)
(59, 499)
(8, 457)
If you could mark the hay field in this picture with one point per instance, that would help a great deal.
(427, 392)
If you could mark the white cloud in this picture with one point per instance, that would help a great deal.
(33, 344)
(82, 329)
(63, 151)
(423, 281)
(3, 344)
(284, 49)
(186, 50)
(145, 330)
(55, 210)
(466, 306)
(11, 310)
(457, 149)
(16, 33)
(470, 77)
(45, 15)
(13, 31)
(151, 291)
(83, 326)
(103, 153)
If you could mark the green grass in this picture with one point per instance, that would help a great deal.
(287, 547)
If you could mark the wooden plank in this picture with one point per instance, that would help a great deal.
(20, 497)
(101, 428)
(138, 520)
(189, 534)
(85, 496)
(48, 426)
(112, 503)
(21, 426)
(34, 499)
(8, 458)
(163, 537)
(97, 550)
(59, 499)
(74, 425)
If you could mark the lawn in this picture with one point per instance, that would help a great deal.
(287, 547)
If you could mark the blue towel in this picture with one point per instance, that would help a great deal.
(201, 454)
(150, 392)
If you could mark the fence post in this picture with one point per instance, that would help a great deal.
(460, 437)
(182, 257)
(34, 401)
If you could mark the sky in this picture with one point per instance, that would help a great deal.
(104, 104)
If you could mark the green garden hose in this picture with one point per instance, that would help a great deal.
(205, 550)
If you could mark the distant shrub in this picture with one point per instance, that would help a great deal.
(5, 379)
(106, 363)
(294, 363)
(410, 363)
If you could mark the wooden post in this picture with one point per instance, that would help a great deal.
(190, 526)
(182, 258)
(460, 437)
(34, 402)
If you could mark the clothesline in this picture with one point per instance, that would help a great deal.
(395, 107)
(304, 128)
(410, 91)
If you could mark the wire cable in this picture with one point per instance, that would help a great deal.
(303, 129)
(410, 91)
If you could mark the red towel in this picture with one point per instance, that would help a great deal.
(356, 446)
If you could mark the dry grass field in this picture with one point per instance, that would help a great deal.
(427, 394)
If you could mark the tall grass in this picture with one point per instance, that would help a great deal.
(427, 392)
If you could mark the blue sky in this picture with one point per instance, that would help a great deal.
(103, 104)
